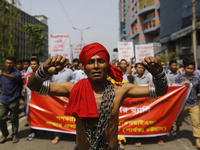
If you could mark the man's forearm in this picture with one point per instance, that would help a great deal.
(33, 83)
(129, 75)
(129, 68)
(9, 77)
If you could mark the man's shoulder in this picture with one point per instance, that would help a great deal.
(67, 70)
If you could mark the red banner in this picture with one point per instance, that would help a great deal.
(138, 117)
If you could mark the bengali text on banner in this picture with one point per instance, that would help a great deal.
(138, 117)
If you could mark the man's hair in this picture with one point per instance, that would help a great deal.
(27, 60)
(187, 63)
(19, 61)
(138, 64)
(36, 60)
(123, 60)
(34, 55)
(76, 60)
(185, 60)
(11, 58)
(172, 61)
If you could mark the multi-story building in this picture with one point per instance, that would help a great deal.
(23, 47)
(142, 21)
(176, 27)
(122, 24)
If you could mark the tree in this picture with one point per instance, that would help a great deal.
(166, 58)
(9, 27)
(35, 37)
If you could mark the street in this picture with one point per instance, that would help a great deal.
(43, 140)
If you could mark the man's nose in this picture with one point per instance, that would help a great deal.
(95, 64)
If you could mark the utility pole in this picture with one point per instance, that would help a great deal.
(81, 34)
(194, 35)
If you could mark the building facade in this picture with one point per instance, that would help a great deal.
(142, 21)
(23, 48)
(176, 27)
(122, 23)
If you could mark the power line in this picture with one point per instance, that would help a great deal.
(61, 5)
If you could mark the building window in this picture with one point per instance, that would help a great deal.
(150, 24)
(154, 23)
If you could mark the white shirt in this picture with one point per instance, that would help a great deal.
(78, 75)
(125, 77)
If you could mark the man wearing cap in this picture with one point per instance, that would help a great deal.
(95, 101)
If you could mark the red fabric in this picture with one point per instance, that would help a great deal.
(25, 79)
(81, 101)
(97, 49)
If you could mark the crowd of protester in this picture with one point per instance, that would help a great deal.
(13, 87)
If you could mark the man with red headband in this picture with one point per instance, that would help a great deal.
(95, 101)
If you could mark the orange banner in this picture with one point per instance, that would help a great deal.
(138, 117)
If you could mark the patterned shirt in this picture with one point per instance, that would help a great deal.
(192, 98)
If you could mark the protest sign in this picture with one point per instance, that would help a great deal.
(142, 51)
(60, 45)
(125, 50)
(77, 50)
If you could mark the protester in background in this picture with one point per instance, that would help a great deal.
(79, 74)
(65, 75)
(123, 67)
(29, 70)
(69, 66)
(192, 103)
(185, 61)
(172, 73)
(75, 64)
(34, 64)
(26, 64)
(139, 77)
(9, 99)
(19, 66)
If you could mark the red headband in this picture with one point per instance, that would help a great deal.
(97, 49)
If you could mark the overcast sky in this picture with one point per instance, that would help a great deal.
(101, 15)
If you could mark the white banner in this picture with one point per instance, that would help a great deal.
(60, 45)
(142, 51)
(77, 50)
(125, 50)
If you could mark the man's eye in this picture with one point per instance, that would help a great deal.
(90, 62)
(101, 61)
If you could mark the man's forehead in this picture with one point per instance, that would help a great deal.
(96, 57)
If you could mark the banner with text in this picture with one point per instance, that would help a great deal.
(142, 51)
(125, 50)
(138, 117)
(60, 45)
(77, 50)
